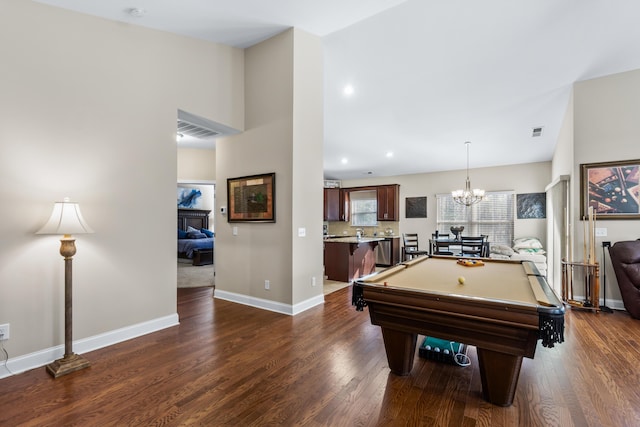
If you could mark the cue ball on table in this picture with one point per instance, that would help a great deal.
(461, 280)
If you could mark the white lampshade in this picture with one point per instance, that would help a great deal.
(65, 219)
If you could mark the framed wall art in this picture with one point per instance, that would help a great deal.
(415, 207)
(531, 205)
(611, 188)
(252, 198)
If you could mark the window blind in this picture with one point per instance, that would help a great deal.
(494, 216)
(364, 208)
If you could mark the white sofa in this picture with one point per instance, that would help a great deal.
(524, 248)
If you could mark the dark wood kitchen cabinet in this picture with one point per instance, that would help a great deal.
(388, 202)
(332, 201)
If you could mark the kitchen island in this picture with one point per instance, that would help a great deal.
(349, 258)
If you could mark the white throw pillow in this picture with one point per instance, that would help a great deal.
(501, 250)
(527, 243)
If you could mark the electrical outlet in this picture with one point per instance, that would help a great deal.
(4, 332)
(601, 232)
(313, 280)
(267, 284)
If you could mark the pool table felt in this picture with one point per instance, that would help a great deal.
(504, 281)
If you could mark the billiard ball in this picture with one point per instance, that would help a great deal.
(461, 280)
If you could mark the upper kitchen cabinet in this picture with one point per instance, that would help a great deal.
(388, 202)
(332, 201)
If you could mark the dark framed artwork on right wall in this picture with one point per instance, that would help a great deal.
(531, 205)
(611, 188)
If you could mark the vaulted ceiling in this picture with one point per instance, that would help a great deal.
(424, 76)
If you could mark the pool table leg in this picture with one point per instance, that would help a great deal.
(499, 373)
(401, 349)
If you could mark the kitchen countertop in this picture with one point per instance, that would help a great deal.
(353, 239)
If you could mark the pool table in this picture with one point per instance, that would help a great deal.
(501, 307)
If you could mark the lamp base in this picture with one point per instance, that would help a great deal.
(69, 363)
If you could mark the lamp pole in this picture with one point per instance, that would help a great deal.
(70, 362)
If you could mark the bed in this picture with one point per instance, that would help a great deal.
(195, 240)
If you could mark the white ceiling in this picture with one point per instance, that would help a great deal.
(427, 75)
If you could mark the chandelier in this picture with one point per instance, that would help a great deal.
(467, 196)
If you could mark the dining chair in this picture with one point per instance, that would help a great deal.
(485, 246)
(411, 247)
(441, 247)
(472, 245)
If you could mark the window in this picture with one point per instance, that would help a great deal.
(364, 208)
(494, 216)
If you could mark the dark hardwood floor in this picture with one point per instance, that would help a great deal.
(229, 364)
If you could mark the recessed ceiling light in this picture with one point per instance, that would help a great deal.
(348, 90)
(389, 154)
(344, 160)
(136, 12)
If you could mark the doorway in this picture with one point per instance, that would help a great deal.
(196, 270)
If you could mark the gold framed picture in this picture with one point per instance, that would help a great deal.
(611, 188)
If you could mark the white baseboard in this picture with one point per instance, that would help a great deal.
(265, 304)
(615, 304)
(17, 365)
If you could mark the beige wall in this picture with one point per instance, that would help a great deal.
(196, 164)
(89, 111)
(307, 194)
(562, 163)
(283, 135)
(524, 178)
(606, 128)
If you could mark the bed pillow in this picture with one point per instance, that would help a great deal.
(527, 243)
(196, 235)
(209, 233)
(182, 234)
(190, 229)
(502, 250)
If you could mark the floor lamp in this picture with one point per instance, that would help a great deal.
(66, 219)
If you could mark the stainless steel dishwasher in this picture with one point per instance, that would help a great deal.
(383, 253)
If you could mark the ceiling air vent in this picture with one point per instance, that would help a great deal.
(195, 131)
(537, 131)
